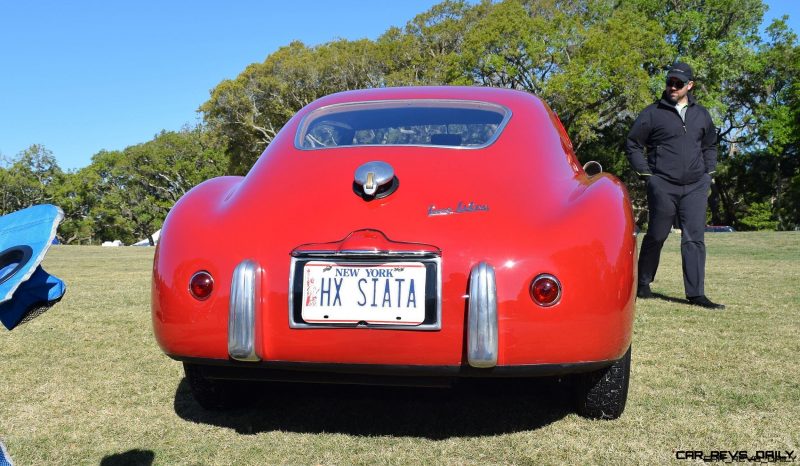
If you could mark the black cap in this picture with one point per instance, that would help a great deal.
(681, 71)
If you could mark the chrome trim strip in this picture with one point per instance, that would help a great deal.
(482, 317)
(245, 294)
(430, 102)
(334, 256)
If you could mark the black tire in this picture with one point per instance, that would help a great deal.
(602, 394)
(214, 394)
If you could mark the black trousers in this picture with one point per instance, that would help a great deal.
(686, 203)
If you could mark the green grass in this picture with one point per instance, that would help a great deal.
(86, 383)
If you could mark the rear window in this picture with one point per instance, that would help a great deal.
(448, 123)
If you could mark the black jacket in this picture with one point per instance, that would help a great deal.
(680, 152)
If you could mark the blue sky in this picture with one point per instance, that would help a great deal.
(82, 76)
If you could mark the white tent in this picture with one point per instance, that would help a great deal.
(146, 242)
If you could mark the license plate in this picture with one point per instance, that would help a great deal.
(390, 293)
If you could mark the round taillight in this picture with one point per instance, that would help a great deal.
(545, 290)
(201, 285)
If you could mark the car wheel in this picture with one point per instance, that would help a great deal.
(214, 394)
(602, 394)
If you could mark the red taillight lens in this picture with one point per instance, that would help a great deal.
(545, 290)
(201, 285)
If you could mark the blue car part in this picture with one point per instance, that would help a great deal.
(25, 288)
(5, 460)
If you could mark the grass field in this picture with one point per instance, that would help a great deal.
(86, 383)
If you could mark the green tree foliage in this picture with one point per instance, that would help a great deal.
(509, 48)
(159, 172)
(77, 196)
(127, 194)
(427, 51)
(759, 217)
(761, 161)
(607, 76)
(107, 202)
(28, 179)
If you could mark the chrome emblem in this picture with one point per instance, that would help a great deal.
(461, 208)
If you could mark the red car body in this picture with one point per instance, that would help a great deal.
(518, 206)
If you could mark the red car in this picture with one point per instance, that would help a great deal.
(404, 235)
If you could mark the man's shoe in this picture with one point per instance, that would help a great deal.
(702, 301)
(644, 292)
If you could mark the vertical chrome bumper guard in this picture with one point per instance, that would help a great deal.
(245, 294)
(482, 318)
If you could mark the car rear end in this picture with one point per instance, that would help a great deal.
(501, 259)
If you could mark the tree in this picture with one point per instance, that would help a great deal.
(127, 194)
(761, 165)
(427, 50)
(76, 195)
(154, 175)
(778, 120)
(28, 179)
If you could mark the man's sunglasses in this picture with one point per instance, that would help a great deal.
(676, 83)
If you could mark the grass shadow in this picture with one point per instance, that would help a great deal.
(472, 408)
(130, 458)
(670, 299)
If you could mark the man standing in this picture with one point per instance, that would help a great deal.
(672, 146)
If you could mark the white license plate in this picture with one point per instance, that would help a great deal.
(391, 293)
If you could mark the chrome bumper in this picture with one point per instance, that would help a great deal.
(482, 318)
(245, 297)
